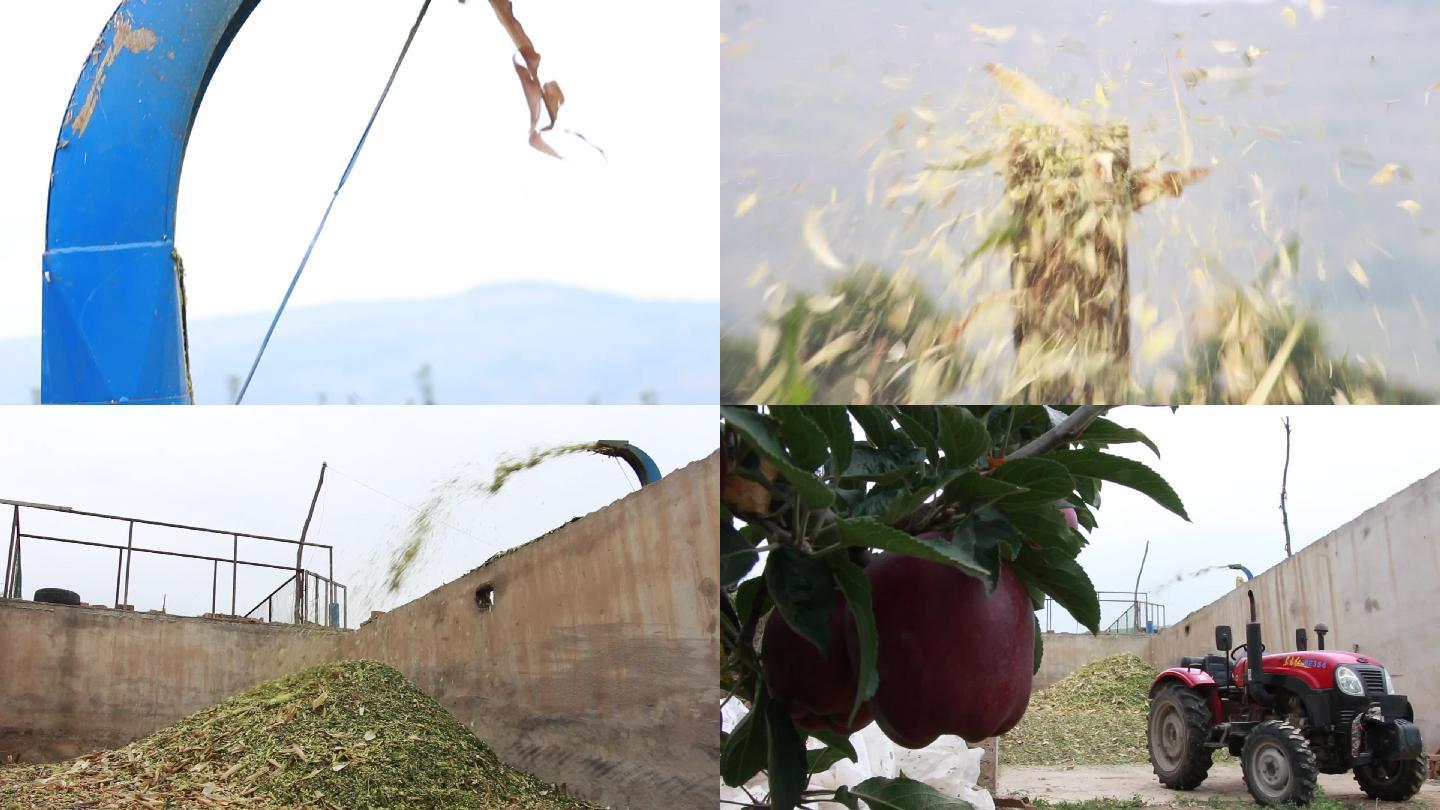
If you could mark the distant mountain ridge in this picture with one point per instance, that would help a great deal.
(502, 343)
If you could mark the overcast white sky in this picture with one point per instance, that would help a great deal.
(254, 470)
(1226, 462)
(447, 195)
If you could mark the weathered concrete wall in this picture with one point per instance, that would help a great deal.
(1067, 652)
(75, 679)
(1375, 581)
(597, 666)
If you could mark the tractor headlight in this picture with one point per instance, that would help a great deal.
(1349, 682)
(1389, 685)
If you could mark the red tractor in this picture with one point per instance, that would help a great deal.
(1288, 717)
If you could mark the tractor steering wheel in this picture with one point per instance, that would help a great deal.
(1242, 647)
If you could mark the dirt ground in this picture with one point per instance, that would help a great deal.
(1124, 781)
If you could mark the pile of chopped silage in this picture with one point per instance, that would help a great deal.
(1093, 716)
(347, 735)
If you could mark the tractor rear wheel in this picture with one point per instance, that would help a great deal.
(1175, 733)
(1278, 764)
(1394, 781)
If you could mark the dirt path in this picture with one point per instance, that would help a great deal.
(1123, 781)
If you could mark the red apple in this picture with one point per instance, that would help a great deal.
(818, 690)
(952, 659)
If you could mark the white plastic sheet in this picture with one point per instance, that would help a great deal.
(949, 765)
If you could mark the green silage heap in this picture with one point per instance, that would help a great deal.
(349, 735)
(1093, 716)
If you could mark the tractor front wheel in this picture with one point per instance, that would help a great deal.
(1393, 781)
(1175, 733)
(1278, 764)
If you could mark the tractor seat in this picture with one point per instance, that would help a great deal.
(1214, 665)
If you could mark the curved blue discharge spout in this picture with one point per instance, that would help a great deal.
(638, 459)
(113, 322)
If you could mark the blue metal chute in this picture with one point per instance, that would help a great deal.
(639, 461)
(113, 328)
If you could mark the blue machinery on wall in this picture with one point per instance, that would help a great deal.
(113, 325)
(638, 459)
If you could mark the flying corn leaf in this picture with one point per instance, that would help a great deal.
(746, 204)
(1409, 205)
(816, 241)
(1386, 175)
(1288, 15)
(999, 34)
(1358, 273)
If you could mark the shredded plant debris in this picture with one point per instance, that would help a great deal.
(348, 735)
(461, 487)
(1118, 236)
(1093, 716)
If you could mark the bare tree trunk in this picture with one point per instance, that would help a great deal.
(1284, 479)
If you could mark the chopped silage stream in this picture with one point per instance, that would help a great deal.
(350, 735)
(458, 488)
(1093, 716)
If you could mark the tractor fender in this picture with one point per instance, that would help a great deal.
(1196, 679)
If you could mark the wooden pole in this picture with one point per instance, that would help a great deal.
(300, 549)
(1284, 479)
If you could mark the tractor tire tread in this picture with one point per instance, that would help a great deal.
(1196, 711)
(1306, 774)
(1407, 783)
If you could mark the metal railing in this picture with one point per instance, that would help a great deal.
(338, 608)
(1139, 616)
(335, 594)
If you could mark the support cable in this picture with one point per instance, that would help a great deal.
(425, 7)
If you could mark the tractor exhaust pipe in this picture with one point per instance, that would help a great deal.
(1255, 666)
(1254, 648)
(1320, 631)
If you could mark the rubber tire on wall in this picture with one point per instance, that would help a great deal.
(1399, 788)
(1304, 774)
(1195, 764)
(57, 596)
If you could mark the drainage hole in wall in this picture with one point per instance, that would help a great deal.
(485, 597)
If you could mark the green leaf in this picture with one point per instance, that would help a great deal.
(890, 504)
(852, 582)
(1044, 480)
(807, 442)
(845, 797)
(962, 436)
(883, 466)
(921, 435)
(834, 421)
(878, 424)
(804, 592)
(1039, 646)
(1123, 471)
(1044, 526)
(835, 741)
(988, 537)
(745, 597)
(737, 555)
(787, 767)
(972, 486)
(1102, 432)
(822, 759)
(870, 533)
(1057, 573)
(760, 433)
(880, 793)
(747, 749)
